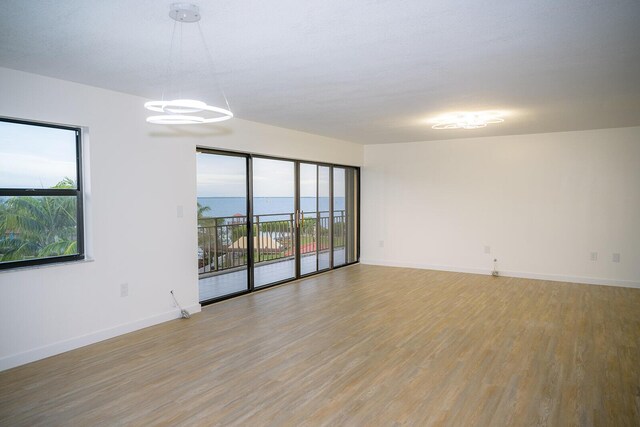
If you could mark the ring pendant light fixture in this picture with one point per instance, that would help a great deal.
(186, 111)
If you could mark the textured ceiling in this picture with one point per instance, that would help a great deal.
(363, 71)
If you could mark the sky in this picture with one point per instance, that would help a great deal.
(40, 157)
(35, 156)
(225, 176)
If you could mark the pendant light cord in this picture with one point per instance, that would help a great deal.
(169, 72)
(181, 60)
(212, 68)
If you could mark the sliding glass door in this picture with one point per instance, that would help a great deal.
(264, 221)
(274, 222)
(345, 215)
(222, 191)
(314, 197)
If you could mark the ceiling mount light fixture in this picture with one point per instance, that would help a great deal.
(186, 111)
(467, 120)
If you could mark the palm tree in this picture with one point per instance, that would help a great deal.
(201, 211)
(203, 236)
(36, 227)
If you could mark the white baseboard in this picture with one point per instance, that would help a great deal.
(572, 279)
(422, 266)
(18, 359)
(518, 274)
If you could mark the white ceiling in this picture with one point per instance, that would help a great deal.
(358, 70)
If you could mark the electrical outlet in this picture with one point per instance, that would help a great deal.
(487, 249)
(124, 290)
(615, 257)
(180, 211)
(381, 243)
(594, 256)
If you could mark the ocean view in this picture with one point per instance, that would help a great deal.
(229, 206)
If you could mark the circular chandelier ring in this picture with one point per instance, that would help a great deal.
(180, 111)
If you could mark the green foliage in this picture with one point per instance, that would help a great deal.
(37, 227)
(275, 226)
(201, 212)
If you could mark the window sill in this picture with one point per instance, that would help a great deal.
(51, 265)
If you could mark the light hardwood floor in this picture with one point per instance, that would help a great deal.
(362, 345)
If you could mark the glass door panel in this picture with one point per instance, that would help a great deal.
(308, 218)
(274, 222)
(222, 225)
(324, 229)
(345, 206)
(314, 203)
(351, 215)
(338, 216)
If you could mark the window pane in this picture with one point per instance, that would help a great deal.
(37, 227)
(345, 215)
(339, 217)
(222, 225)
(273, 219)
(324, 260)
(309, 226)
(36, 156)
(351, 209)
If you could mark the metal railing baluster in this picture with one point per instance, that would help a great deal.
(222, 245)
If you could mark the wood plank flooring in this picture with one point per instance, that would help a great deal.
(362, 345)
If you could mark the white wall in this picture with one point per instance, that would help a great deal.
(139, 175)
(542, 203)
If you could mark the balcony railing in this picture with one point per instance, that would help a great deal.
(222, 242)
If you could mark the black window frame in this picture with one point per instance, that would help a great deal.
(33, 192)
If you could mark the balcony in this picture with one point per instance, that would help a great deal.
(222, 249)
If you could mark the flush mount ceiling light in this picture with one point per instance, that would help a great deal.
(467, 120)
(181, 111)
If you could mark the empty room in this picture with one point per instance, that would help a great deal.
(296, 213)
